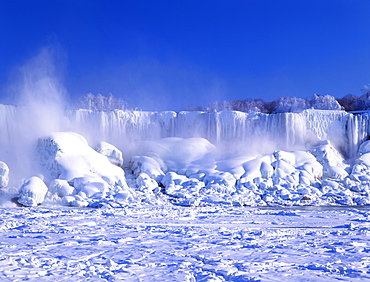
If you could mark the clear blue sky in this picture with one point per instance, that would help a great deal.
(170, 54)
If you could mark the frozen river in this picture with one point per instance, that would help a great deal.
(169, 243)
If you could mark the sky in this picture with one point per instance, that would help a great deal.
(168, 55)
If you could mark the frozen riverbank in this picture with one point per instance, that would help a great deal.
(169, 243)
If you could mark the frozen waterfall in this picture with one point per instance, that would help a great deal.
(231, 131)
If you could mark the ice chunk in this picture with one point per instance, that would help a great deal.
(74, 201)
(180, 186)
(61, 188)
(111, 152)
(313, 168)
(147, 165)
(364, 159)
(32, 192)
(91, 185)
(331, 160)
(287, 168)
(145, 183)
(220, 182)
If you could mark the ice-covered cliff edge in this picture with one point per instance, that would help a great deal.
(261, 132)
(252, 158)
(257, 132)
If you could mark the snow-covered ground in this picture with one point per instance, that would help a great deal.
(171, 243)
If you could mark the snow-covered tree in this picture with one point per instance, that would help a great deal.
(102, 103)
(325, 102)
(291, 104)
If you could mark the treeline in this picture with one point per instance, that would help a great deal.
(100, 102)
(349, 102)
(281, 105)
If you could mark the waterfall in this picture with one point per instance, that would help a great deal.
(230, 131)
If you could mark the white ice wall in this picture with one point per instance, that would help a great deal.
(232, 131)
(228, 129)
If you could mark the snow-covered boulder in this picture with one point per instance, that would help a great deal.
(145, 184)
(32, 192)
(331, 160)
(61, 188)
(91, 185)
(220, 182)
(147, 165)
(111, 152)
(361, 168)
(4, 175)
(67, 155)
(75, 201)
(180, 186)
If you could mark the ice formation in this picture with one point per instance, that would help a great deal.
(32, 192)
(80, 175)
(196, 158)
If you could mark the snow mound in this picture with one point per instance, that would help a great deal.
(80, 174)
(32, 192)
(61, 188)
(147, 165)
(67, 155)
(182, 153)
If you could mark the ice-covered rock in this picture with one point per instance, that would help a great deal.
(32, 192)
(91, 176)
(111, 152)
(267, 170)
(331, 160)
(4, 175)
(361, 168)
(67, 155)
(147, 165)
(180, 186)
(75, 201)
(145, 183)
(61, 188)
(220, 182)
